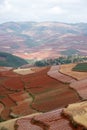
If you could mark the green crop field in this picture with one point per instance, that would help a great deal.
(80, 67)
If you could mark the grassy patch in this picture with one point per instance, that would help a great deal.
(82, 67)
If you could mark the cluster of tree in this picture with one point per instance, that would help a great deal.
(61, 60)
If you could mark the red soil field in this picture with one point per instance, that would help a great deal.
(19, 96)
(13, 83)
(45, 92)
(54, 99)
(22, 109)
(48, 93)
(7, 102)
(41, 80)
(3, 91)
(9, 74)
(5, 114)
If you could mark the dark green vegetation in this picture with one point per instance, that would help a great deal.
(61, 60)
(10, 60)
(56, 61)
(80, 67)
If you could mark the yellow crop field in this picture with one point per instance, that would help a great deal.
(67, 69)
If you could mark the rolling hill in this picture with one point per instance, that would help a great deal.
(10, 60)
(39, 40)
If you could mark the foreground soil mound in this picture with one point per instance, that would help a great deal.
(73, 117)
(77, 114)
(48, 121)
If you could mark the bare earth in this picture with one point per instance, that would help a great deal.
(67, 69)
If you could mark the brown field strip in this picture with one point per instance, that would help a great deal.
(67, 69)
(54, 73)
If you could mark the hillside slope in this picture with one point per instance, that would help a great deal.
(10, 60)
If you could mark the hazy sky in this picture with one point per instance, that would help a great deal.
(43, 10)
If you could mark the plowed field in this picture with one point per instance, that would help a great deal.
(31, 93)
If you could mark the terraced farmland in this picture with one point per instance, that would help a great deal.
(56, 74)
(48, 92)
(60, 119)
(32, 93)
(79, 85)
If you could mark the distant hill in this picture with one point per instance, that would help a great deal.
(42, 39)
(10, 60)
(70, 52)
